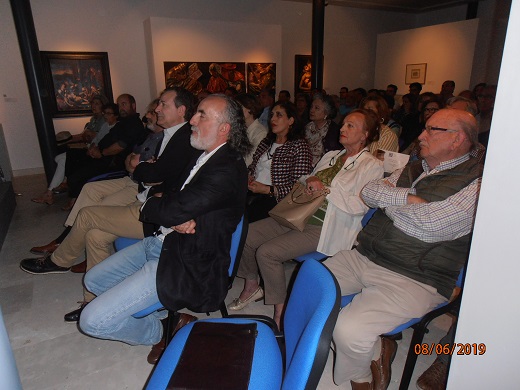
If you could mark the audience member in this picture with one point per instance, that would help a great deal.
(408, 117)
(415, 89)
(303, 102)
(58, 182)
(109, 155)
(343, 92)
(266, 101)
(410, 253)
(358, 94)
(184, 266)
(322, 133)
(278, 161)
(255, 131)
(386, 139)
(332, 228)
(486, 104)
(284, 96)
(447, 89)
(415, 129)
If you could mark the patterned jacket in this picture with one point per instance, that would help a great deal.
(290, 161)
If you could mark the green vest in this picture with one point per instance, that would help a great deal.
(436, 264)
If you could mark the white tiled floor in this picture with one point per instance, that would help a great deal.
(52, 354)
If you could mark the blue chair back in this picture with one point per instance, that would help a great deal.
(309, 320)
(108, 176)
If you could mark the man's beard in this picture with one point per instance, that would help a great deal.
(202, 143)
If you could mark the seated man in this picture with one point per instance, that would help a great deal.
(110, 153)
(185, 266)
(96, 227)
(115, 192)
(410, 253)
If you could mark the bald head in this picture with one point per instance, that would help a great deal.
(449, 134)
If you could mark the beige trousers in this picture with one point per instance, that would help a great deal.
(386, 300)
(268, 246)
(116, 192)
(95, 230)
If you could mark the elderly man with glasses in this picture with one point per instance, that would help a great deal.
(410, 253)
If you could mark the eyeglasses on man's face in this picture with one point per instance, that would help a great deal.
(431, 109)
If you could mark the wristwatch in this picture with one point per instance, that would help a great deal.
(271, 191)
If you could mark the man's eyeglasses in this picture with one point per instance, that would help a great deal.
(431, 109)
(429, 129)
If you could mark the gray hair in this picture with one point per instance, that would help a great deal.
(237, 138)
(471, 106)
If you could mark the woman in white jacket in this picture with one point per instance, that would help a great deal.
(332, 228)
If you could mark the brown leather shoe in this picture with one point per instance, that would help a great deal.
(43, 250)
(361, 386)
(158, 349)
(79, 268)
(382, 368)
(434, 378)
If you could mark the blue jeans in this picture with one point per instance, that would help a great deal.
(124, 284)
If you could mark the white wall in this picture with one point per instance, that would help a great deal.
(447, 49)
(490, 311)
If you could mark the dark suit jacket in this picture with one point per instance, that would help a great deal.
(170, 168)
(192, 271)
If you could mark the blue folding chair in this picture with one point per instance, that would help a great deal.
(108, 176)
(237, 245)
(309, 320)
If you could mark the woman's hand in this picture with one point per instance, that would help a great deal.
(94, 152)
(314, 184)
(258, 188)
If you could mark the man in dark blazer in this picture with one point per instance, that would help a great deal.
(185, 265)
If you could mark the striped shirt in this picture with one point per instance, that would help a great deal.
(429, 222)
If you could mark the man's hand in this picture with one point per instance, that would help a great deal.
(131, 161)
(414, 199)
(186, 227)
(94, 152)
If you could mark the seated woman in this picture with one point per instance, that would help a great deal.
(92, 128)
(279, 160)
(256, 132)
(322, 133)
(332, 228)
(387, 139)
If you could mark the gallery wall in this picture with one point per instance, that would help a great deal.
(119, 28)
(428, 45)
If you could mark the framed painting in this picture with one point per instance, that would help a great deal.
(415, 73)
(214, 77)
(73, 78)
(302, 73)
(260, 75)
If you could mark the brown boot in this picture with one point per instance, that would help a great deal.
(158, 349)
(45, 249)
(361, 386)
(79, 268)
(382, 368)
(434, 378)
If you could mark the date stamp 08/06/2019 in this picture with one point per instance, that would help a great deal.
(450, 349)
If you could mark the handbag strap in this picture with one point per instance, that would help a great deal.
(294, 197)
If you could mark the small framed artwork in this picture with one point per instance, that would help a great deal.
(73, 78)
(260, 75)
(415, 73)
(302, 73)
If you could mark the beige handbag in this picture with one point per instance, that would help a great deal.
(297, 207)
